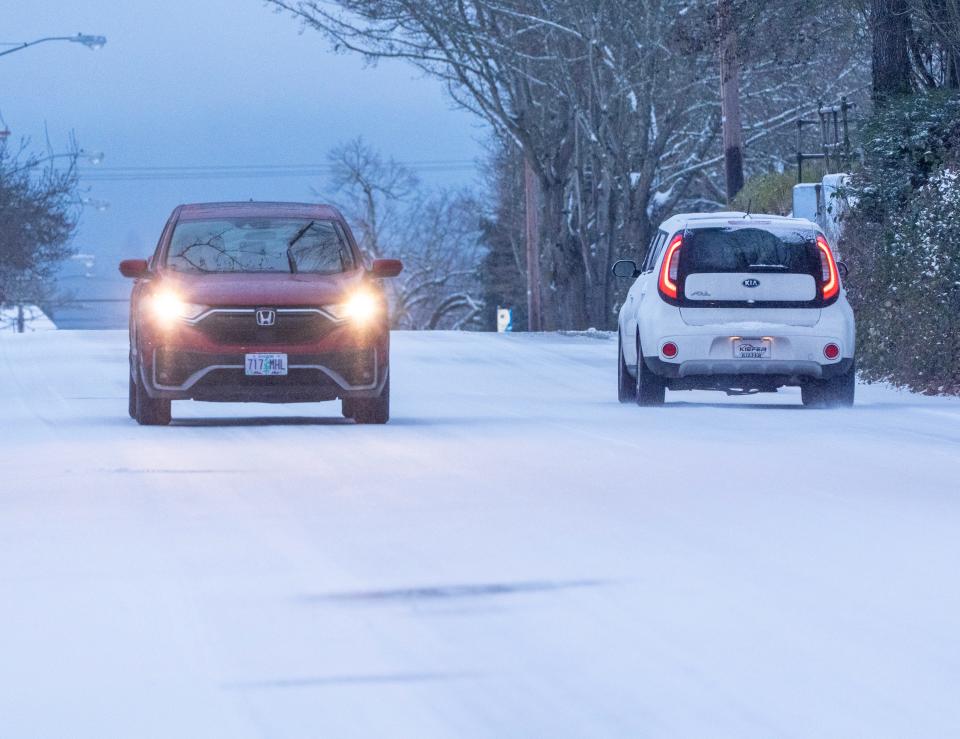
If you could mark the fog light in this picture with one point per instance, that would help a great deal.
(669, 350)
(831, 351)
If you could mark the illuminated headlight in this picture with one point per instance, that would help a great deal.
(168, 307)
(361, 307)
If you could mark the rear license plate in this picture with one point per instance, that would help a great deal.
(751, 348)
(266, 364)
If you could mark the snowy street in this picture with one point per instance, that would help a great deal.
(515, 554)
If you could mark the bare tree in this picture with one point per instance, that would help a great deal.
(440, 246)
(374, 188)
(613, 104)
(435, 233)
(933, 37)
(38, 214)
(890, 26)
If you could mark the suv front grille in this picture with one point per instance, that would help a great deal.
(292, 326)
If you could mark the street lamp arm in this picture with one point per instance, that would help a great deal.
(91, 42)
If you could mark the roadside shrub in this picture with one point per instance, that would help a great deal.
(767, 193)
(902, 242)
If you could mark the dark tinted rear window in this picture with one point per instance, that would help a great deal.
(746, 249)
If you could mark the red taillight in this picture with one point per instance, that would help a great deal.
(828, 268)
(670, 269)
(831, 351)
(669, 350)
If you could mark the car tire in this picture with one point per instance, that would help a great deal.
(373, 410)
(131, 393)
(346, 407)
(837, 392)
(650, 389)
(150, 411)
(626, 385)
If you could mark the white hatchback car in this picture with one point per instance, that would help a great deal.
(740, 303)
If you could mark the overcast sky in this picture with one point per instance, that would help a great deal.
(208, 82)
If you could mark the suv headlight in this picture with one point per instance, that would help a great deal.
(167, 307)
(361, 308)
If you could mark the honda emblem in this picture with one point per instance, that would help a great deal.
(266, 317)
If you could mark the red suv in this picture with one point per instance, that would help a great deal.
(266, 302)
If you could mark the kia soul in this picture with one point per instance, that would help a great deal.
(266, 302)
(739, 303)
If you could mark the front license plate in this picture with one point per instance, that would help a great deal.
(751, 349)
(266, 364)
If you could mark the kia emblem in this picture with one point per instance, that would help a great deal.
(266, 317)
(751, 282)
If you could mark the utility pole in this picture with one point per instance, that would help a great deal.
(531, 195)
(730, 99)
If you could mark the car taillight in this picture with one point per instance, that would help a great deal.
(831, 351)
(670, 270)
(669, 350)
(828, 269)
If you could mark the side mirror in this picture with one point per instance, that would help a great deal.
(386, 268)
(843, 270)
(625, 268)
(134, 268)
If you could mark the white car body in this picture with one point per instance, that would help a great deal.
(784, 314)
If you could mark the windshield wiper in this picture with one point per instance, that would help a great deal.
(768, 266)
(296, 237)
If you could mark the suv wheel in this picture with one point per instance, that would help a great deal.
(372, 410)
(150, 411)
(650, 388)
(837, 392)
(132, 392)
(626, 385)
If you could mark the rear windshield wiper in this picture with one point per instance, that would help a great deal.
(768, 266)
(296, 237)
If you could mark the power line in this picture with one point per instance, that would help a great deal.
(248, 171)
(153, 167)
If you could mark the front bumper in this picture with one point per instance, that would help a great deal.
(207, 362)
(180, 375)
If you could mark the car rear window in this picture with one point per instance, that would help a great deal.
(290, 245)
(749, 249)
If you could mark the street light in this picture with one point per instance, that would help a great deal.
(91, 42)
(94, 157)
(98, 205)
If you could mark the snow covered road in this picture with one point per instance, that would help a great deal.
(515, 555)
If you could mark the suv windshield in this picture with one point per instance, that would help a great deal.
(259, 245)
(740, 249)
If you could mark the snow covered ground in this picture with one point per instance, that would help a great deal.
(515, 555)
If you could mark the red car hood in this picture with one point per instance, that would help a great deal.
(261, 289)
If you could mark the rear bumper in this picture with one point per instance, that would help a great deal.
(705, 354)
(784, 371)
